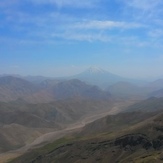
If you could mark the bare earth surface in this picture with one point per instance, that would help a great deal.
(50, 137)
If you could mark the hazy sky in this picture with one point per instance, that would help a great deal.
(63, 37)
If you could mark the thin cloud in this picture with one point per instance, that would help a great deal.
(57, 25)
(144, 9)
(96, 24)
(8, 3)
(82, 36)
(157, 33)
(70, 3)
(144, 4)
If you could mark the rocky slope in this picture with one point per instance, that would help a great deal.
(127, 137)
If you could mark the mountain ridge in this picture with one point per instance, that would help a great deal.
(13, 88)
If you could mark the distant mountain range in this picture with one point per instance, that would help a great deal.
(88, 84)
(77, 88)
(128, 90)
(103, 78)
(158, 93)
(13, 88)
(93, 75)
(133, 91)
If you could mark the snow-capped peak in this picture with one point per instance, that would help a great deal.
(95, 69)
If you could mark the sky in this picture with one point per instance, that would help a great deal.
(65, 37)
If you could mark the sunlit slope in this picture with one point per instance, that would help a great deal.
(21, 122)
(127, 137)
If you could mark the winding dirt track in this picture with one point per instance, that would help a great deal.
(50, 137)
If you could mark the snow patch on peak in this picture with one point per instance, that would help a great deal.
(95, 69)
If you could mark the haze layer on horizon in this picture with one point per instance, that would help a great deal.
(64, 37)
